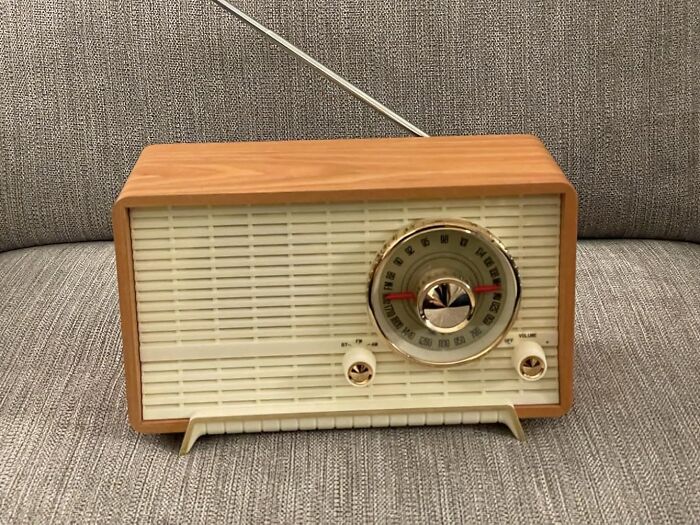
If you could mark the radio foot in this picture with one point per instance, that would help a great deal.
(196, 428)
(205, 424)
(509, 417)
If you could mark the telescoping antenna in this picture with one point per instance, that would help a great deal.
(323, 70)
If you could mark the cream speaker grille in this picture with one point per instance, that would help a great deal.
(244, 306)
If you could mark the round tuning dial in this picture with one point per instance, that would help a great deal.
(444, 292)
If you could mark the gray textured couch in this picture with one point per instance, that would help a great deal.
(611, 87)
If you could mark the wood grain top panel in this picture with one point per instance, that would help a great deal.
(340, 170)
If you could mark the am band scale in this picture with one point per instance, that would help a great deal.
(460, 291)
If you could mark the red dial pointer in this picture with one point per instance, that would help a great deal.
(400, 296)
(487, 288)
(410, 296)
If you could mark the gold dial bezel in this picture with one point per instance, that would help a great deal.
(468, 228)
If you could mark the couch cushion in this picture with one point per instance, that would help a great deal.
(611, 88)
(627, 452)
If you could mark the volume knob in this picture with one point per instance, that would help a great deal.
(446, 305)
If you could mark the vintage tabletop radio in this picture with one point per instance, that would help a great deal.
(346, 283)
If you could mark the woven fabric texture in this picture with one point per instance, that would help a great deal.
(627, 453)
(611, 87)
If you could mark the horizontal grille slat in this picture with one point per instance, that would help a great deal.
(281, 234)
(236, 274)
(267, 307)
(252, 378)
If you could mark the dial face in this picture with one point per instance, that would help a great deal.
(444, 292)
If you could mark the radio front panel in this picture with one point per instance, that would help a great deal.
(251, 309)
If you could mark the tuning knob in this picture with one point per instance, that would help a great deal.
(359, 366)
(446, 305)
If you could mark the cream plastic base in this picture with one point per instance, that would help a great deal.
(206, 424)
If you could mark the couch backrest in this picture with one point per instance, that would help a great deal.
(611, 87)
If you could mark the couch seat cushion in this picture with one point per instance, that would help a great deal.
(627, 452)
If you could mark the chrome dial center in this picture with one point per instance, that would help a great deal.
(446, 305)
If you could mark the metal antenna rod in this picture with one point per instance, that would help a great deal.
(323, 70)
